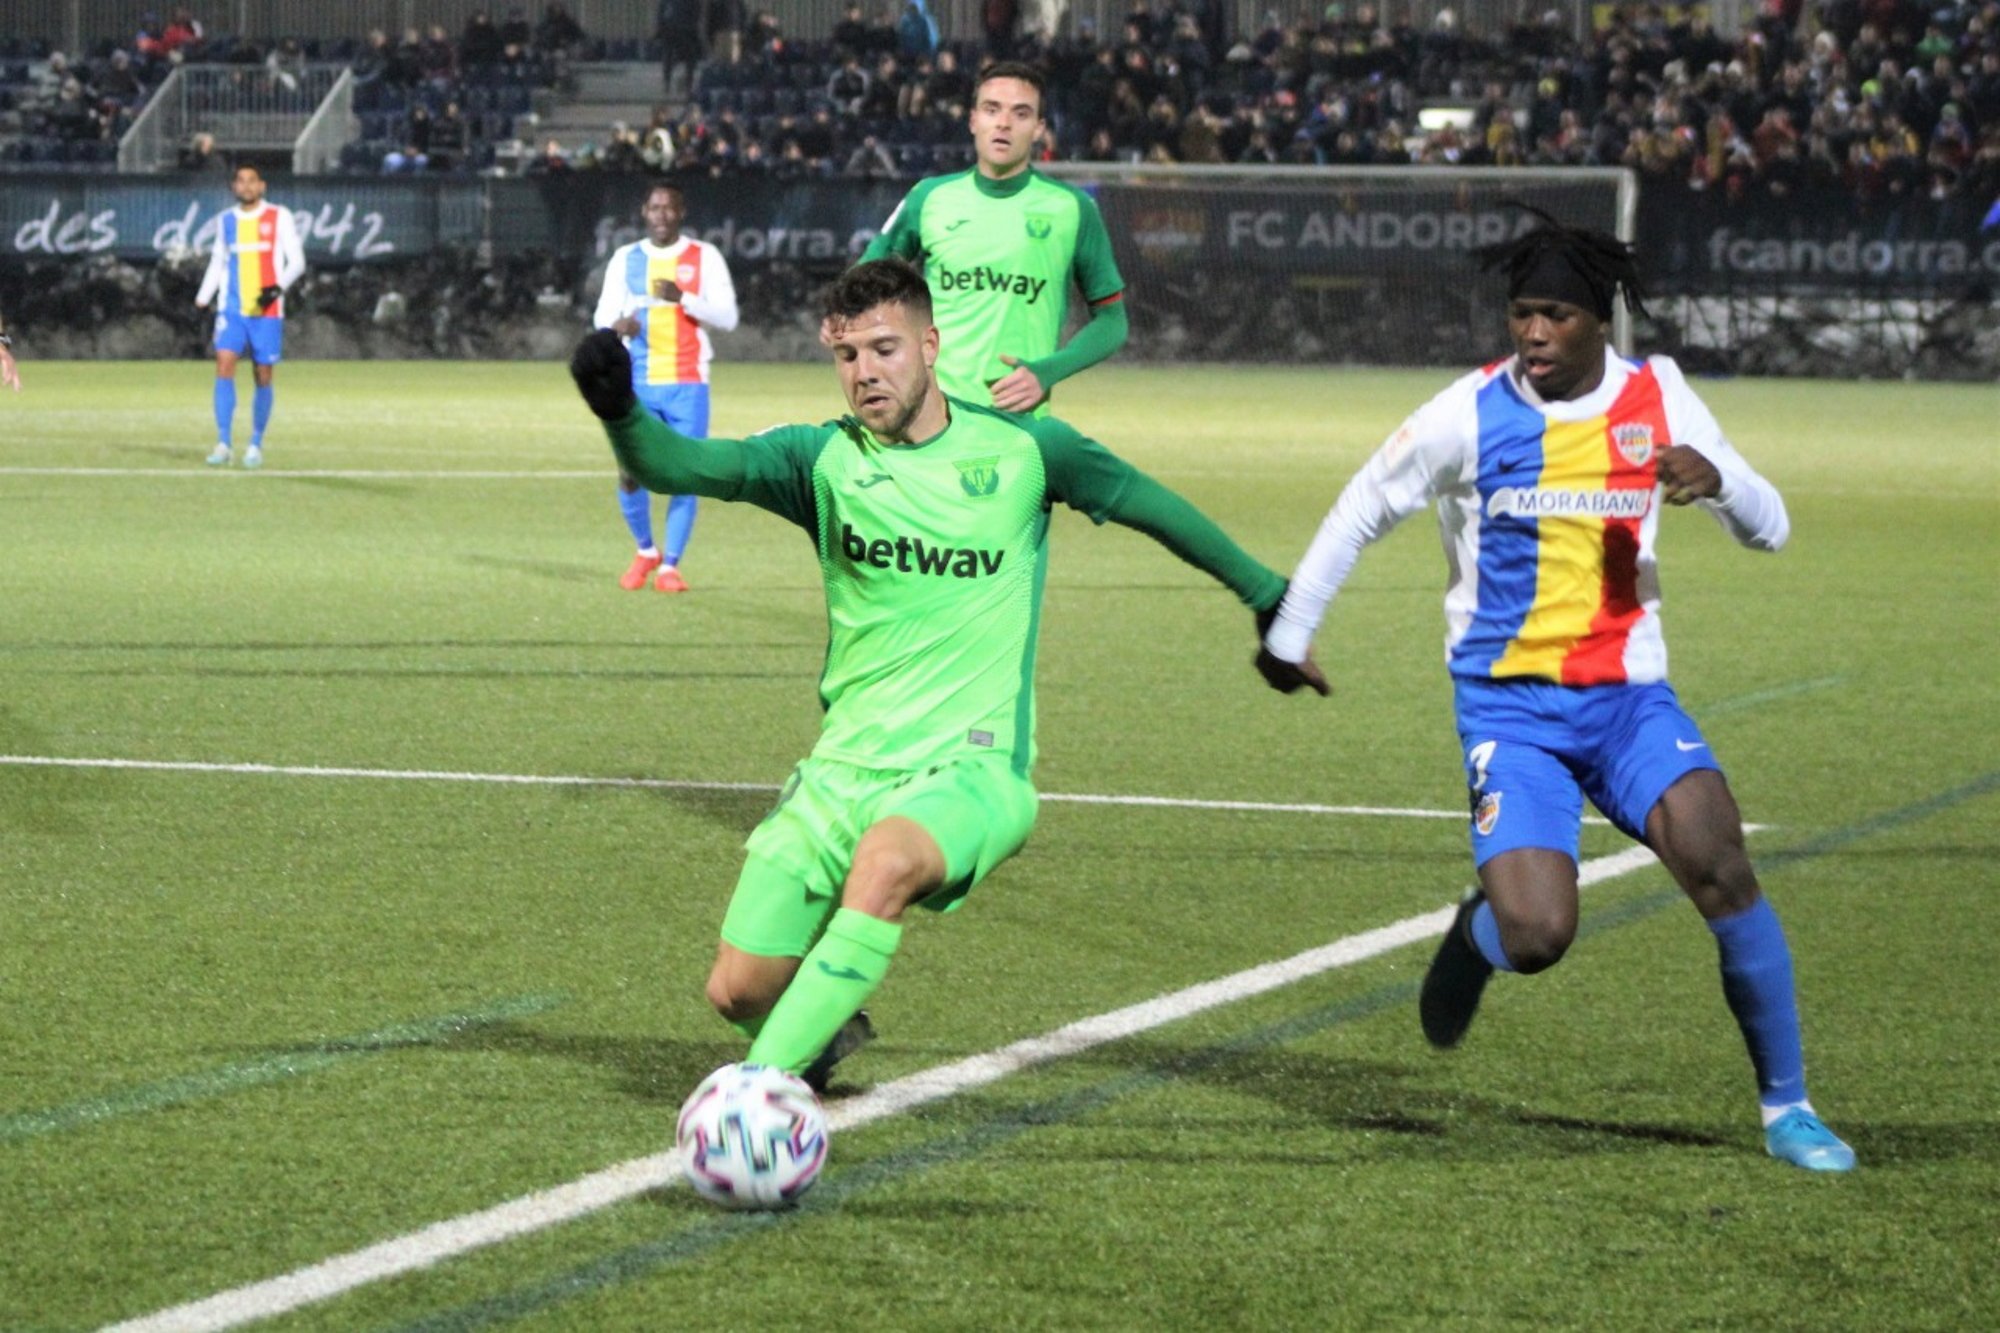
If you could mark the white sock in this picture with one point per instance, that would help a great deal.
(1773, 1113)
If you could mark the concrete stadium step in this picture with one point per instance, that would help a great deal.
(606, 93)
(619, 81)
(592, 121)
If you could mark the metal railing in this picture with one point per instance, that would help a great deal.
(332, 127)
(150, 144)
(246, 107)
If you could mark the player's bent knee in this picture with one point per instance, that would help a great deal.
(1726, 888)
(740, 992)
(1537, 942)
(736, 1000)
(883, 896)
(889, 872)
(1539, 950)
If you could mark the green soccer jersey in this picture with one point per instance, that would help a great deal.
(999, 257)
(933, 557)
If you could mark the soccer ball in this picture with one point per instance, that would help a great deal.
(752, 1137)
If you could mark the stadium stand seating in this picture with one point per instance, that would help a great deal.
(1883, 99)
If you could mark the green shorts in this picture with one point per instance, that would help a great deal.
(978, 810)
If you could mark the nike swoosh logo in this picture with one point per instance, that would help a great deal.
(1685, 746)
(866, 482)
(955, 224)
(841, 973)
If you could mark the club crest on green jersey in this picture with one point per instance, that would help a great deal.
(979, 476)
(1039, 226)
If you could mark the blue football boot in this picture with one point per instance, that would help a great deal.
(1798, 1137)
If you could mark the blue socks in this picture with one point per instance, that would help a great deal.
(1757, 982)
(1486, 937)
(225, 408)
(680, 523)
(637, 506)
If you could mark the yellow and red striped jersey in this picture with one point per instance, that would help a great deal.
(672, 345)
(1549, 512)
(253, 249)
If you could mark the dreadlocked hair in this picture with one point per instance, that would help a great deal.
(1606, 264)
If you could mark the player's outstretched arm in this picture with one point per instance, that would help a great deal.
(1086, 476)
(1171, 520)
(763, 471)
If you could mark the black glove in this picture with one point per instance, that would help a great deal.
(268, 297)
(1282, 676)
(602, 369)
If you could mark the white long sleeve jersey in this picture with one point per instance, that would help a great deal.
(1548, 512)
(254, 248)
(672, 345)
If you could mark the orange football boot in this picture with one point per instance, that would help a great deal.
(634, 578)
(670, 580)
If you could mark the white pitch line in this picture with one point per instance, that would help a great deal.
(671, 784)
(599, 1190)
(345, 474)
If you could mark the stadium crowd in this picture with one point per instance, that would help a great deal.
(1883, 99)
(432, 102)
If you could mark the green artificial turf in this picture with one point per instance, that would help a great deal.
(252, 1020)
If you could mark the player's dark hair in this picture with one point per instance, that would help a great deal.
(1569, 262)
(1016, 69)
(877, 282)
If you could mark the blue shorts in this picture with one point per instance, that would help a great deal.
(263, 335)
(1533, 750)
(682, 406)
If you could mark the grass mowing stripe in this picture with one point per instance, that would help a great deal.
(1906, 814)
(421, 1249)
(692, 1242)
(1743, 702)
(710, 1233)
(614, 1184)
(304, 1059)
(674, 784)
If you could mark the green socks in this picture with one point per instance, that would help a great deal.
(833, 981)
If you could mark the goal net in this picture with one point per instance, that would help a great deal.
(1366, 265)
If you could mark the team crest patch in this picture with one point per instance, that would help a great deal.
(684, 275)
(1634, 441)
(1487, 816)
(979, 476)
(1039, 226)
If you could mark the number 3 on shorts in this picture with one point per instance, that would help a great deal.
(1478, 757)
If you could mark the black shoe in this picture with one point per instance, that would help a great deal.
(855, 1033)
(1458, 974)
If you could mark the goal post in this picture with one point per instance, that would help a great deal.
(1304, 264)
